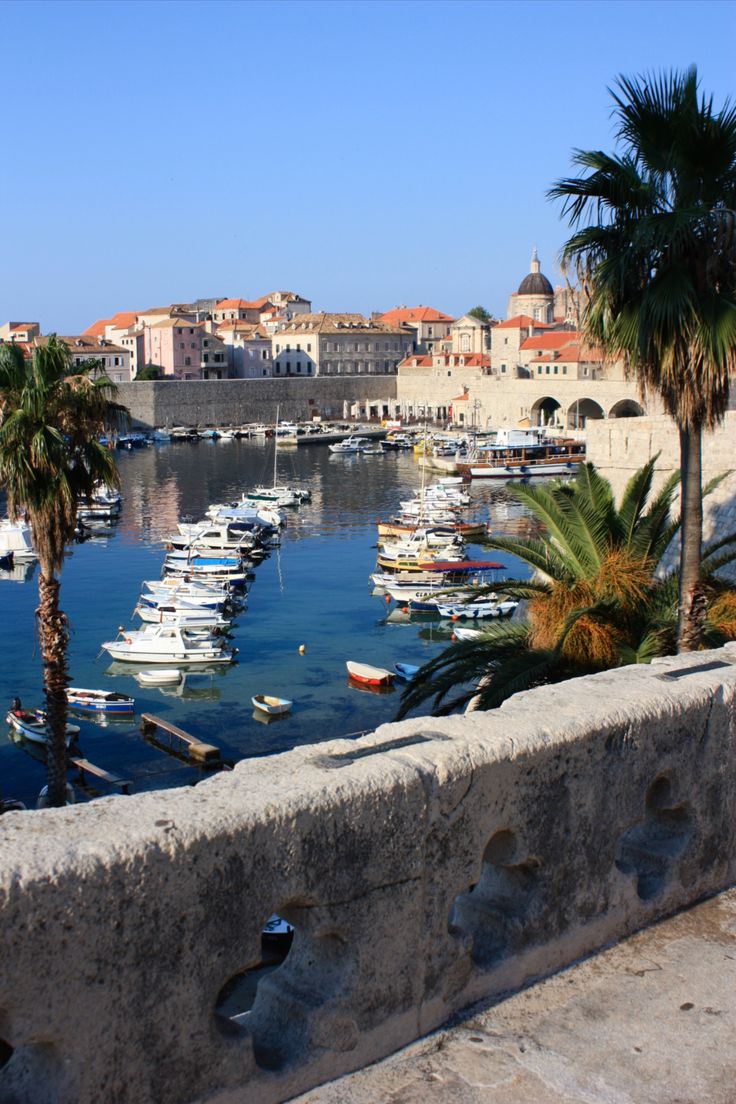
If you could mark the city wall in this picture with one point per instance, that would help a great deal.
(618, 447)
(233, 402)
(426, 866)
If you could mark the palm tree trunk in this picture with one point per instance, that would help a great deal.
(691, 613)
(54, 638)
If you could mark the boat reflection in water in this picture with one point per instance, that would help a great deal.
(369, 688)
(268, 718)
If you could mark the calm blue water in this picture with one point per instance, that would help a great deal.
(314, 591)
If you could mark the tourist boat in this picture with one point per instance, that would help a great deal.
(98, 701)
(32, 724)
(370, 676)
(425, 537)
(15, 537)
(187, 594)
(350, 445)
(167, 644)
(521, 454)
(164, 676)
(405, 671)
(267, 703)
(477, 609)
(418, 559)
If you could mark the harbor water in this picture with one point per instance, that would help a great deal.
(309, 609)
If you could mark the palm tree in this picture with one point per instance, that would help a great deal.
(655, 251)
(598, 599)
(50, 459)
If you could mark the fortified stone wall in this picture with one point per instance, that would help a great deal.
(234, 402)
(506, 401)
(426, 866)
(618, 447)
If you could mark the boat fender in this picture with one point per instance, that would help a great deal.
(387, 597)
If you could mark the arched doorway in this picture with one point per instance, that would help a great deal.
(545, 411)
(582, 411)
(626, 408)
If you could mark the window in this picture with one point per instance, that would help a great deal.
(278, 369)
(264, 355)
(503, 367)
(206, 358)
(181, 344)
(449, 371)
(430, 331)
(178, 330)
(505, 341)
(278, 350)
(539, 369)
(205, 343)
(309, 369)
(547, 369)
(288, 366)
(298, 367)
(309, 348)
(556, 369)
(465, 343)
(585, 371)
(298, 348)
(192, 345)
(191, 331)
(564, 369)
(187, 361)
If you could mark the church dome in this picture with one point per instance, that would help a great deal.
(535, 283)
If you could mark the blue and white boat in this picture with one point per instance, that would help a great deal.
(99, 701)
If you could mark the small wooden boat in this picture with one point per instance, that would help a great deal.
(370, 676)
(31, 723)
(98, 701)
(163, 677)
(267, 703)
(406, 671)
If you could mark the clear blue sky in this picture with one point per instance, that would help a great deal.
(362, 154)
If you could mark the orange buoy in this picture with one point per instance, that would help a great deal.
(302, 649)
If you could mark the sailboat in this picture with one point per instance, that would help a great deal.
(278, 494)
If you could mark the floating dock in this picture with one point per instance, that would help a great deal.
(180, 741)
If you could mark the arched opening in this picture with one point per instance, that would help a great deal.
(626, 408)
(545, 411)
(582, 411)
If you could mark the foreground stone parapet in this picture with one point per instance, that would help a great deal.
(427, 866)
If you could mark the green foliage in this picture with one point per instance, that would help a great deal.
(599, 596)
(481, 314)
(149, 372)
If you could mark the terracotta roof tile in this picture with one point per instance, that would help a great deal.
(415, 314)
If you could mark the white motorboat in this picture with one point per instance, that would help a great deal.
(259, 513)
(15, 537)
(32, 724)
(201, 592)
(350, 446)
(168, 644)
(207, 538)
(477, 610)
(172, 614)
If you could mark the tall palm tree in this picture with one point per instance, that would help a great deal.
(51, 416)
(598, 597)
(655, 250)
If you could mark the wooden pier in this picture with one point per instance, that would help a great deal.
(85, 767)
(179, 740)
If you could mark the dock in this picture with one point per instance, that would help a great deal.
(85, 767)
(181, 741)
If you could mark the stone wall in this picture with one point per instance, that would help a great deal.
(618, 447)
(426, 866)
(234, 402)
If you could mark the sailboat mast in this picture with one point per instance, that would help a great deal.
(275, 444)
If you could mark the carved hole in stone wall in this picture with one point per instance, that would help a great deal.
(6, 1053)
(648, 850)
(496, 912)
(237, 996)
(287, 1020)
